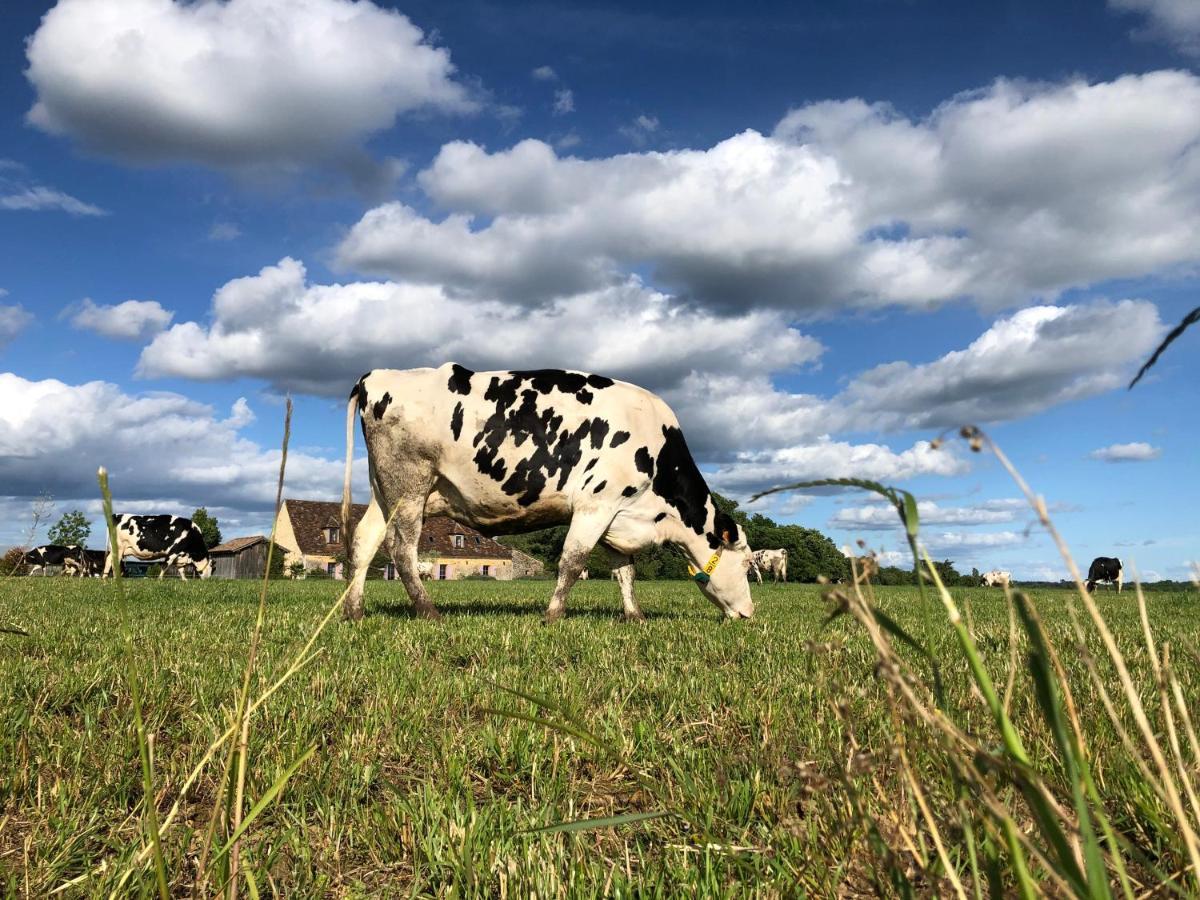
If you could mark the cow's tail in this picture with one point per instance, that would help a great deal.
(347, 525)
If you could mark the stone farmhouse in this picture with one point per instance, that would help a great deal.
(311, 533)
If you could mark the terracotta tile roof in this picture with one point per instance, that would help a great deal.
(310, 518)
(437, 539)
(235, 545)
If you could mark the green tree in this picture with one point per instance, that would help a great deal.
(208, 527)
(73, 529)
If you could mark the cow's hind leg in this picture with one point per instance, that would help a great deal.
(406, 537)
(582, 537)
(368, 535)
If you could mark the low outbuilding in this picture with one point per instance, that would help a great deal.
(241, 557)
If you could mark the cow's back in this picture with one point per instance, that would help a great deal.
(509, 445)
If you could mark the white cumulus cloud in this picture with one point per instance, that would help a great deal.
(1137, 451)
(1014, 191)
(882, 517)
(318, 338)
(237, 83)
(132, 320)
(14, 319)
(1176, 22)
(157, 446)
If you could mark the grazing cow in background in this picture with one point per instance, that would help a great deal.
(996, 578)
(772, 561)
(424, 570)
(93, 562)
(171, 540)
(508, 452)
(1105, 568)
(69, 558)
(583, 576)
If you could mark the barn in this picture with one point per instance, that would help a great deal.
(243, 557)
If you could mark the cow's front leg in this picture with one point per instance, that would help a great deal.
(624, 571)
(757, 571)
(582, 537)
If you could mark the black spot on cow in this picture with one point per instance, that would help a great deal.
(380, 406)
(619, 437)
(359, 392)
(456, 421)
(629, 491)
(546, 380)
(679, 482)
(460, 380)
(488, 464)
(599, 432)
(660, 517)
(553, 450)
(642, 460)
(591, 465)
(598, 488)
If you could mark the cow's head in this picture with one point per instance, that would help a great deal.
(204, 567)
(725, 583)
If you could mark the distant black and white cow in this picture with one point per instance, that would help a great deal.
(171, 540)
(69, 558)
(996, 578)
(508, 452)
(93, 562)
(772, 561)
(1105, 568)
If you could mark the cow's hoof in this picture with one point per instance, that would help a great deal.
(635, 617)
(552, 616)
(428, 612)
(352, 615)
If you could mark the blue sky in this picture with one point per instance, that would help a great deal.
(822, 233)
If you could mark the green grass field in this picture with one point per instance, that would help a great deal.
(774, 735)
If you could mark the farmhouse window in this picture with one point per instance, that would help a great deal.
(331, 568)
(442, 572)
(485, 569)
(460, 541)
(333, 535)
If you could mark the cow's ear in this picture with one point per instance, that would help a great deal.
(726, 527)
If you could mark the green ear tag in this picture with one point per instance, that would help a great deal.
(701, 578)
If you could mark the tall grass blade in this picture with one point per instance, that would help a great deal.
(135, 693)
(1046, 692)
(264, 801)
(606, 822)
(1189, 320)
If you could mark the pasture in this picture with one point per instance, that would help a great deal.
(773, 736)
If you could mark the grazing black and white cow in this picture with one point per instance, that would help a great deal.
(996, 578)
(508, 452)
(69, 558)
(93, 562)
(1105, 568)
(773, 562)
(171, 540)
